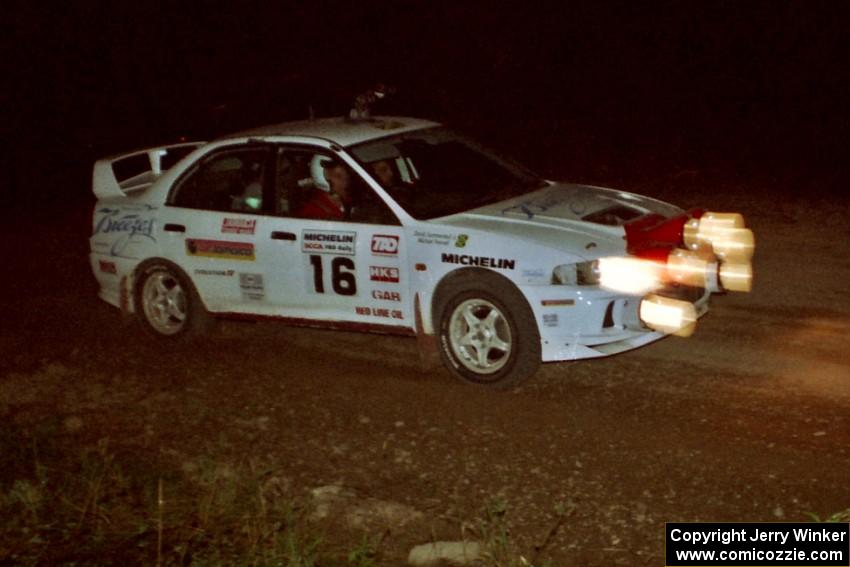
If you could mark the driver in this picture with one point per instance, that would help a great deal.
(334, 204)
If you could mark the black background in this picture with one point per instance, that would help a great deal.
(615, 93)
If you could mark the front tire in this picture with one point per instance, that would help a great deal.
(489, 337)
(167, 304)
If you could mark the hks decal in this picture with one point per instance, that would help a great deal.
(383, 274)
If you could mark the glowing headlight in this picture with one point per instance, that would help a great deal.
(629, 275)
(582, 273)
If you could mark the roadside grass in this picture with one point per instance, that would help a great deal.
(62, 503)
(840, 517)
(499, 549)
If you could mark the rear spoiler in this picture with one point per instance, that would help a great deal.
(120, 175)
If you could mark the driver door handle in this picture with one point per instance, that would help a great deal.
(278, 235)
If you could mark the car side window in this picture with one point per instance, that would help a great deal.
(302, 190)
(293, 182)
(231, 180)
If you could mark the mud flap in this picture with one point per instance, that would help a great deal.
(126, 299)
(429, 355)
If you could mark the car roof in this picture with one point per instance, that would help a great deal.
(340, 130)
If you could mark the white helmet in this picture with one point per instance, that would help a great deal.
(317, 171)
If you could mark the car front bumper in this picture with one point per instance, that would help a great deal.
(576, 323)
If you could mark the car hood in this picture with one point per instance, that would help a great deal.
(553, 217)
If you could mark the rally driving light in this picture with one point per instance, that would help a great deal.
(736, 276)
(629, 275)
(668, 315)
(724, 232)
(687, 267)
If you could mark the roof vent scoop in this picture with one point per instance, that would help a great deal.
(362, 109)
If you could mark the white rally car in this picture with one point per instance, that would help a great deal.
(490, 266)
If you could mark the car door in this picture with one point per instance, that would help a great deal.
(211, 222)
(344, 270)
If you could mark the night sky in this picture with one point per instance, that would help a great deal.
(593, 91)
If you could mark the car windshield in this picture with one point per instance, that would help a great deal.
(436, 172)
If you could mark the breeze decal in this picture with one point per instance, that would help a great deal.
(482, 261)
(386, 295)
(328, 241)
(238, 226)
(130, 227)
(383, 274)
(380, 312)
(384, 245)
(252, 287)
(221, 249)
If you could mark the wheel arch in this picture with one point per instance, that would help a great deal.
(143, 265)
(447, 285)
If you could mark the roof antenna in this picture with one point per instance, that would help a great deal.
(362, 109)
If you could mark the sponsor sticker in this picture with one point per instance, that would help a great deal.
(384, 245)
(221, 249)
(386, 274)
(380, 312)
(550, 319)
(534, 273)
(203, 272)
(483, 261)
(328, 242)
(252, 286)
(238, 226)
(461, 240)
(107, 267)
(386, 295)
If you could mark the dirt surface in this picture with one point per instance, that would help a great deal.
(748, 420)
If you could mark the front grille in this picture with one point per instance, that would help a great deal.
(608, 321)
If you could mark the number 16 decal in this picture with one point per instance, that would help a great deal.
(342, 275)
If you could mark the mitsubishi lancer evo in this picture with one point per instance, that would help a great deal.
(403, 226)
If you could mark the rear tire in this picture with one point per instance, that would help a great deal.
(167, 304)
(488, 338)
